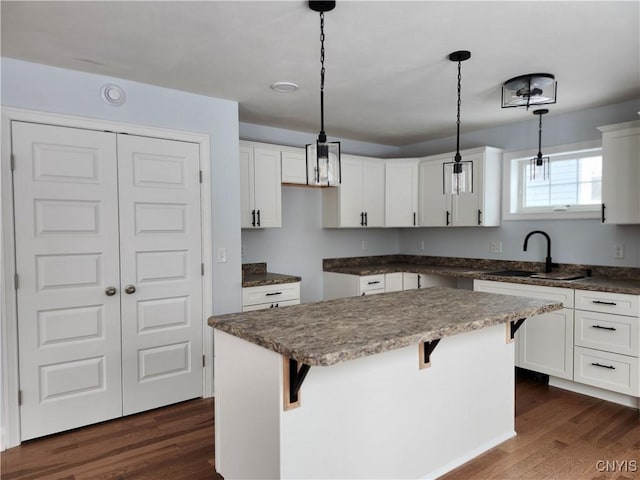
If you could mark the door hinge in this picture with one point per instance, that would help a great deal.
(15, 281)
(200, 176)
(13, 162)
(202, 269)
(19, 397)
(203, 360)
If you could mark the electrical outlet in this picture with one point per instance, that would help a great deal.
(496, 246)
(421, 244)
(618, 250)
(364, 245)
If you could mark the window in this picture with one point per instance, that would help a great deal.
(571, 189)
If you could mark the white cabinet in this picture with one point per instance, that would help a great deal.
(607, 341)
(260, 192)
(621, 173)
(341, 285)
(359, 200)
(420, 280)
(544, 343)
(401, 193)
(479, 208)
(393, 282)
(294, 166)
(270, 296)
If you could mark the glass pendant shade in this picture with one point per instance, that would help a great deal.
(323, 164)
(458, 177)
(539, 168)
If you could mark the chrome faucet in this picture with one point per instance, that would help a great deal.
(548, 264)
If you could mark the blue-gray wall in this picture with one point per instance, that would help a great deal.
(301, 244)
(39, 87)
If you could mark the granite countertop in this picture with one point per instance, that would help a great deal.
(256, 275)
(605, 279)
(334, 331)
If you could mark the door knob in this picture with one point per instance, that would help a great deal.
(130, 289)
(110, 291)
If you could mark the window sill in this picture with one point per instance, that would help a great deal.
(567, 215)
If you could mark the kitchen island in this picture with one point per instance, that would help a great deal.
(340, 388)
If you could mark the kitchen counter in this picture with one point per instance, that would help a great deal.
(333, 331)
(256, 275)
(604, 279)
(346, 388)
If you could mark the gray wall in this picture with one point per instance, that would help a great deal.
(299, 246)
(38, 87)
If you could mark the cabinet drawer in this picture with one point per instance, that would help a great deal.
(265, 306)
(612, 333)
(618, 303)
(564, 295)
(607, 370)
(270, 293)
(371, 282)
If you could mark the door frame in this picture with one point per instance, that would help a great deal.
(9, 377)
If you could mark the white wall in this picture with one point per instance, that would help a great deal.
(39, 87)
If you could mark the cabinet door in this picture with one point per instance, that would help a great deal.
(373, 192)
(546, 344)
(433, 202)
(393, 282)
(351, 191)
(401, 193)
(411, 281)
(294, 167)
(246, 187)
(621, 176)
(466, 205)
(267, 187)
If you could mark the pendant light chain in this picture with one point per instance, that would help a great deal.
(458, 157)
(322, 70)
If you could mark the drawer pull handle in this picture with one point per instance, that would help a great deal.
(270, 294)
(603, 328)
(600, 302)
(374, 282)
(610, 367)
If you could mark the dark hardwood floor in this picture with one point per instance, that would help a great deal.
(561, 435)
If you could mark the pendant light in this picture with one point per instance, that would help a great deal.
(539, 165)
(323, 158)
(458, 175)
(530, 89)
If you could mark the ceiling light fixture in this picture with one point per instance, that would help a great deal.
(539, 165)
(323, 158)
(458, 175)
(529, 89)
(284, 87)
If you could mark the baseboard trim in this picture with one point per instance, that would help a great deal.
(601, 393)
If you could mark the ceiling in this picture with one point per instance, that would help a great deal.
(388, 79)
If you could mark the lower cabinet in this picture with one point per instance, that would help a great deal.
(270, 296)
(544, 343)
(341, 285)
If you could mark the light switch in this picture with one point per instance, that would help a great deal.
(222, 255)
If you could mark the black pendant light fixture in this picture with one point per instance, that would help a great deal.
(530, 89)
(539, 165)
(323, 158)
(458, 175)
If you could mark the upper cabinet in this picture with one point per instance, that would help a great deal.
(621, 173)
(294, 166)
(401, 193)
(479, 208)
(260, 191)
(359, 200)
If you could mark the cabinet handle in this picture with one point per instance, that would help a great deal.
(448, 215)
(366, 220)
(277, 305)
(258, 217)
(270, 294)
(374, 282)
(362, 219)
(479, 217)
(110, 291)
(253, 218)
(414, 219)
(603, 207)
(603, 328)
(610, 367)
(599, 302)
(129, 289)
(419, 286)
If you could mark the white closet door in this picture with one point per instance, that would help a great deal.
(66, 257)
(160, 252)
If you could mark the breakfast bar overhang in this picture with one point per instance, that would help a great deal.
(400, 385)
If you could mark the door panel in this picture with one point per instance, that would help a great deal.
(160, 256)
(65, 188)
